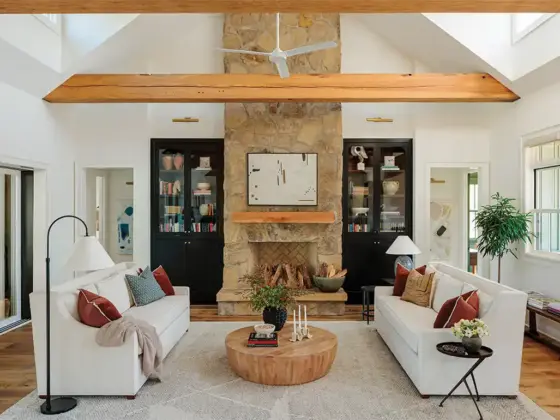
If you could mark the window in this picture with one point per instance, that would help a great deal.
(53, 21)
(522, 24)
(546, 201)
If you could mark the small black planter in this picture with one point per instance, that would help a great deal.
(276, 317)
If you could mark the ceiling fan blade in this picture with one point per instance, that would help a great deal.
(227, 50)
(282, 67)
(311, 48)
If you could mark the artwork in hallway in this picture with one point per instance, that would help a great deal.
(282, 179)
(440, 217)
(125, 215)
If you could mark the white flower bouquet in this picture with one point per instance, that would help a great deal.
(470, 329)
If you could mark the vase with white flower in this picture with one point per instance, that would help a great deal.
(470, 333)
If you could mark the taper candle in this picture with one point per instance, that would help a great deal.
(305, 316)
(299, 315)
(294, 321)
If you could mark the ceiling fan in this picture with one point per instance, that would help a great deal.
(279, 57)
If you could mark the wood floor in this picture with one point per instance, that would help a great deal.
(540, 373)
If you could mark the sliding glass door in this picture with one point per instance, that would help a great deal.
(10, 248)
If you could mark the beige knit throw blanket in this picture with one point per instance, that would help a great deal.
(115, 333)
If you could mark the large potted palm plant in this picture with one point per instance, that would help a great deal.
(501, 225)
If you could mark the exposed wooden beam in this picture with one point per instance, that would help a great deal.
(272, 6)
(128, 88)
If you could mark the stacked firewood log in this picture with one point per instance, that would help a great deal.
(329, 270)
(292, 276)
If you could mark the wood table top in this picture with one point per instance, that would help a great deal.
(321, 341)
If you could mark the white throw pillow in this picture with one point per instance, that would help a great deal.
(447, 287)
(116, 290)
(485, 302)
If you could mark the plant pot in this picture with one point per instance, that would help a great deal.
(390, 187)
(328, 284)
(276, 317)
(472, 345)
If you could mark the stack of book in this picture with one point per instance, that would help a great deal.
(554, 308)
(259, 340)
(539, 301)
(390, 168)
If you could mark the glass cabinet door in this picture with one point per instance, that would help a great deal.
(171, 174)
(360, 164)
(392, 175)
(203, 190)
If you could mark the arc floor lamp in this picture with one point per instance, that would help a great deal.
(87, 255)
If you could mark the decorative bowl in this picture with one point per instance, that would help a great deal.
(328, 284)
(203, 186)
(265, 329)
(359, 210)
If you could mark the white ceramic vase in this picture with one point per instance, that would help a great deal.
(390, 187)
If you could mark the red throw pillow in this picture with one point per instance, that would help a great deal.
(402, 277)
(458, 308)
(163, 280)
(95, 310)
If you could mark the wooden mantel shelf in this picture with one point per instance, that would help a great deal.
(284, 217)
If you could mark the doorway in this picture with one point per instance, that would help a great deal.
(454, 200)
(109, 210)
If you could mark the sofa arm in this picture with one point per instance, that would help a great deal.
(384, 290)
(181, 290)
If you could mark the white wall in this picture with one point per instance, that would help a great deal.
(453, 192)
(29, 137)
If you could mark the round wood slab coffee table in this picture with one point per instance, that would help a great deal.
(288, 364)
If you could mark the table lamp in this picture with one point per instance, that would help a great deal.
(403, 247)
(87, 255)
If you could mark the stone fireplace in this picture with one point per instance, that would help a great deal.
(281, 127)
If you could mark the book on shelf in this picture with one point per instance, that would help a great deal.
(204, 227)
(258, 340)
(554, 308)
(539, 301)
(390, 168)
(202, 192)
(356, 227)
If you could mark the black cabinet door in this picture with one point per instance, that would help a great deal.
(170, 254)
(204, 268)
(359, 258)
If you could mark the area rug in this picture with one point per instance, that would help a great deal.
(365, 382)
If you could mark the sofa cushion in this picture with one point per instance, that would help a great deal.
(407, 319)
(162, 313)
(163, 280)
(115, 290)
(96, 310)
(402, 276)
(447, 288)
(144, 288)
(454, 310)
(418, 288)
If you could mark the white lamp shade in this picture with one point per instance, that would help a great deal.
(88, 255)
(403, 245)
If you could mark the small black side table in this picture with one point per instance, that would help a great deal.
(458, 350)
(366, 312)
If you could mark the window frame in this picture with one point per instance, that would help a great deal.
(56, 27)
(539, 138)
(517, 36)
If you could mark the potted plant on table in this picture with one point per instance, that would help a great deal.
(273, 301)
(501, 224)
(470, 333)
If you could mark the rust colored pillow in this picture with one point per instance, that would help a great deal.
(455, 309)
(402, 277)
(163, 280)
(95, 310)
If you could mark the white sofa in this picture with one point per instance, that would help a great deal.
(408, 331)
(79, 366)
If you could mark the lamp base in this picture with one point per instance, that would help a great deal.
(405, 261)
(59, 406)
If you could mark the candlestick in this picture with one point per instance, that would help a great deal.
(299, 316)
(305, 316)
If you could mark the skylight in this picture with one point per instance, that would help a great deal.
(522, 24)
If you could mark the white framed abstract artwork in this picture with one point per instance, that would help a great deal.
(282, 179)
